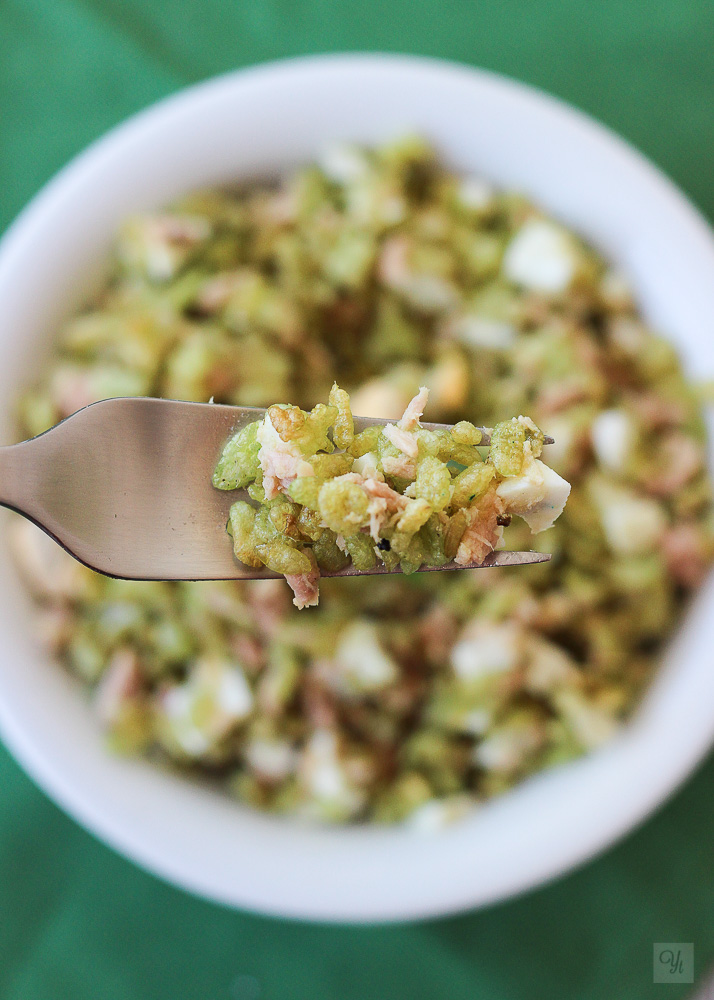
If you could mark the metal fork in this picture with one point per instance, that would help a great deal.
(124, 485)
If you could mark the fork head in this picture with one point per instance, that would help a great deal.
(125, 486)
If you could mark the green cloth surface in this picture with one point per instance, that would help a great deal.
(76, 920)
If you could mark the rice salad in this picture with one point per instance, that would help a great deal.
(398, 495)
(405, 698)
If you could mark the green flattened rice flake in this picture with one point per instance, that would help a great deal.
(507, 443)
(310, 522)
(472, 483)
(454, 533)
(411, 552)
(238, 464)
(279, 681)
(349, 261)
(343, 506)
(433, 483)
(361, 551)
(439, 443)
(344, 429)
(242, 524)
(433, 537)
(330, 557)
(464, 454)
(393, 337)
(330, 466)
(204, 365)
(465, 433)
(131, 732)
(366, 441)
(305, 491)
(281, 557)
(256, 492)
(319, 421)
(415, 515)
(408, 792)
(284, 517)
(85, 656)
(288, 421)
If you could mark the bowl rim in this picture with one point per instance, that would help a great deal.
(594, 836)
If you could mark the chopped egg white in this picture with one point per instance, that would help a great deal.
(281, 461)
(613, 435)
(233, 696)
(361, 664)
(271, 759)
(549, 667)
(435, 815)
(541, 256)
(343, 163)
(323, 774)
(543, 514)
(477, 721)
(475, 193)
(505, 749)
(268, 438)
(538, 495)
(480, 331)
(486, 648)
(632, 524)
(429, 292)
(205, 707)
(177, 709)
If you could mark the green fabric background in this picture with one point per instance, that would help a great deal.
(77, 921)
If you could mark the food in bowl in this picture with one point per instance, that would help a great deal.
(403, 698)
(400, 495)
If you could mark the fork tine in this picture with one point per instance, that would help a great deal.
(495, 559)
(362, 422)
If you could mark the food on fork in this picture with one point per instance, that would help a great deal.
(400, 494)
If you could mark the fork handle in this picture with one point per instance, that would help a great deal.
(18, 476)
(40, 480)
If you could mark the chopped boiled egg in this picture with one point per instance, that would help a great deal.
(542, 256)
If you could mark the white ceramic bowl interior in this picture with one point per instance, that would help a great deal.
(255, 122)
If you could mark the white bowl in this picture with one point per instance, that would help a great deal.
(250, 123)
